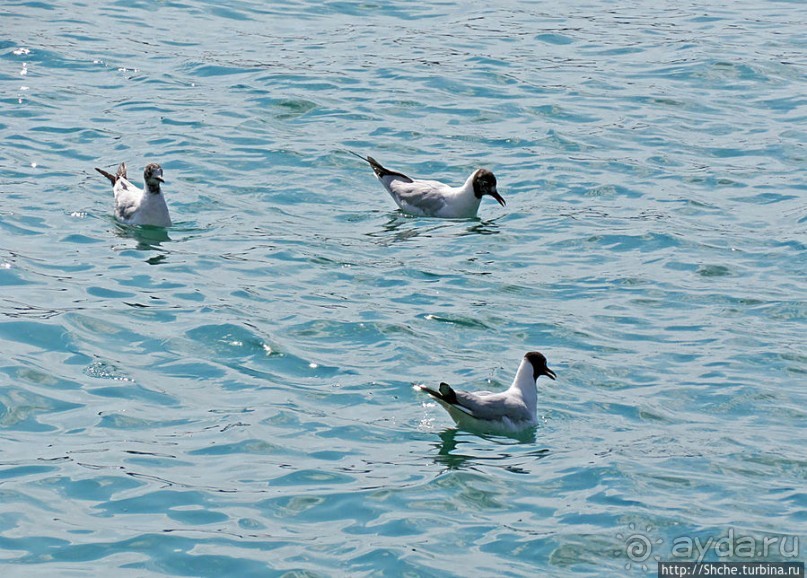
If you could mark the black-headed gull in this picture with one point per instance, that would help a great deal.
(505, 412)
(135, 206)
(433, 198)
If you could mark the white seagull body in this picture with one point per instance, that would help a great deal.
(135, 206)
(433, 198)
(506, 412)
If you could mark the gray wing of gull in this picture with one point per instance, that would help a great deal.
(127, 199)
(125, 210)
(492, 407)
(423, 197)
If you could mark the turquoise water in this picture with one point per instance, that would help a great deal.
(233, 396)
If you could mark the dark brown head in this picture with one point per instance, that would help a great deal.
(538, 362)
(485, 184)
(153, 176)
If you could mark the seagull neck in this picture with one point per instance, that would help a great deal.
(469, 185)
(153, 188)
(524, 383)
(464, 201)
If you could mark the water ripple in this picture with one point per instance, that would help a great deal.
(233, 396)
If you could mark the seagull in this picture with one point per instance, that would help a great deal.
(433, 198)
(134, 206)
(506, 412)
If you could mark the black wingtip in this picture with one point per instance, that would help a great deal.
(447, 394)
(428, 390)
(381, 172)
(355, 154)
(378, 168)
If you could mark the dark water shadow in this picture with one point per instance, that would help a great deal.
(451, 455)
(146, 234)
(148, 238)
(401, 227)
(480, 227)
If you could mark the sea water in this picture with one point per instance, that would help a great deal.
(233, 396)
